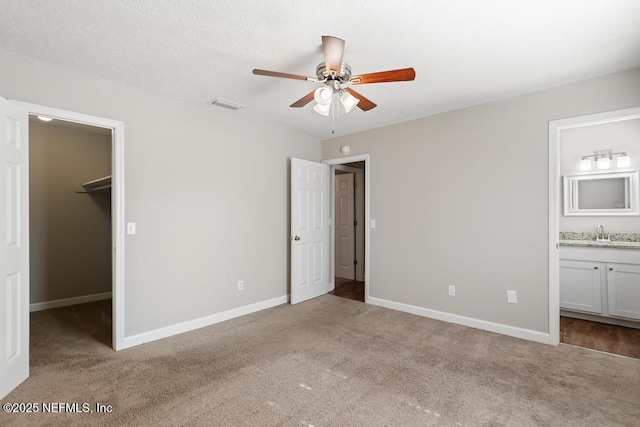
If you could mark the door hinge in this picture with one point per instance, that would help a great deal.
(355, 262)
(355, 184)
(355, 223)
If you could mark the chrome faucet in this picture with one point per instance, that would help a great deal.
(600, 233)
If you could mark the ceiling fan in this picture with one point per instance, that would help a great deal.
(336, 76)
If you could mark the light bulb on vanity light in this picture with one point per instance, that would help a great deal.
(603, 163)
(624, 161)
(585, 164)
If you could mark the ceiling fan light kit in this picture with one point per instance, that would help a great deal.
(348, 101)
(335, 75)
(322, 109)
(323, 95)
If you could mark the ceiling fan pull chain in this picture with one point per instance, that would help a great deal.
(333, 115)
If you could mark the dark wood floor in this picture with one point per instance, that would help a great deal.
(350, 289)
(600, 336)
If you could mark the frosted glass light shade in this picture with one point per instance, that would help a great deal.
(323, 96)
(322, 109)
(604, 163)
(585, 164)
(624, 162)
(348, 101)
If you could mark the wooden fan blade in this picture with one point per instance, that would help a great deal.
(401, 75)
(278, 74)
(303, 101)
(364, 104)
(333, 48)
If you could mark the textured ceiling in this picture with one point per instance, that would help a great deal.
(465, 52)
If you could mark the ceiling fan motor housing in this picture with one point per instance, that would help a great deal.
(344, 76)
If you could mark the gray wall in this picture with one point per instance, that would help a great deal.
(575, 142)
(70, 233)
(202, 223)
(461, 198)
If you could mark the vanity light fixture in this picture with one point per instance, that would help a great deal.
(603, 160)
(45, 118)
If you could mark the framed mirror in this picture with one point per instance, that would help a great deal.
(601, 194)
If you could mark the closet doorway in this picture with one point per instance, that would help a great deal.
(70, 224)
(95, 276)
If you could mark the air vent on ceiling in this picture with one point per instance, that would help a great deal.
(226, 104)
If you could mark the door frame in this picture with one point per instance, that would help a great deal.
(367, 215)
(117, 203)
(555, 126)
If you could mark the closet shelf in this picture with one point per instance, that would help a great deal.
(97, 185)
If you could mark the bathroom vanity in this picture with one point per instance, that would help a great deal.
(600, 280)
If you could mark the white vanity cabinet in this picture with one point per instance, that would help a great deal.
(580, 286)
(602, 282)
(623, 287)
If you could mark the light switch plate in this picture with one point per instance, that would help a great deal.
(512, 297)
(373, 223)
(131, 228)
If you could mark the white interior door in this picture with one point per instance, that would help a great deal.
(310, 230)
(344, 226)
(14, 238)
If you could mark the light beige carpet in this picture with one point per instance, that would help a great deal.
(326, 362)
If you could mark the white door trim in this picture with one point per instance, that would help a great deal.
(367, 214)
(117, 202)
(555, 126)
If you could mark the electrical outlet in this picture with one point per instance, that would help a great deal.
(452, 291)
(512, 297)
(240, 285)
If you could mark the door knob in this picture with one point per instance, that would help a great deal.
(296, 238)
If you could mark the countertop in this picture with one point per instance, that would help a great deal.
(601, 244)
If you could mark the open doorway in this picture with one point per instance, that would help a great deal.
(359, 166)
(594, 267)
(349, 230)
(115, 129)
(70, 174)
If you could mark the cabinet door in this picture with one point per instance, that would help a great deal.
(580, 286)
(623, 285)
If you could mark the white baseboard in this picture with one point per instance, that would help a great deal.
(39, 306)
(512, 331)
(201, 322)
